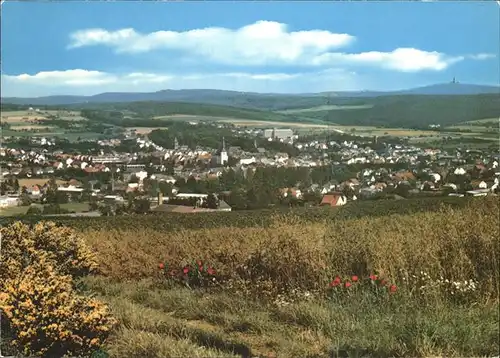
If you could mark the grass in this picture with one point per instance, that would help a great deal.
(28, 182)
(485, 120)
(21, 210)
(396, 132)
(11, 133)
(242, 121)
(324, 108)
(171, 323)
(291, 257)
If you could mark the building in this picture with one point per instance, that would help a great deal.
(278, 133)
(223, 157)
(333, 200)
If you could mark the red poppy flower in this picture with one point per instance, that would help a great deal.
(186, 270)
(211, 271)
(347, 284)
(199, 263)
(373, 277)
(393, 288)
(354, 278)
(334, 283)
(161, 266)
(200, 268)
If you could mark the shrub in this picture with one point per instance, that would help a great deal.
(47, 318)
(24, 245)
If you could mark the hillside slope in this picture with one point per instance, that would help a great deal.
(272, 101)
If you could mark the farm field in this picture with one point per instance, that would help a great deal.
(324, 108)
(28, 182)
(31, 124)
(241, 122)
(28, 116)
(398, 132)
(145, 130)
(485, 120)
(21, 210)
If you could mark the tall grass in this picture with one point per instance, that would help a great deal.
(263, 307)
(458, 244)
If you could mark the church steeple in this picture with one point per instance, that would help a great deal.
(223, 158)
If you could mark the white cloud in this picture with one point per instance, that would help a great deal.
(69, 78)
(266, 43)
(482, 56)
(85, 82)
(401, 59)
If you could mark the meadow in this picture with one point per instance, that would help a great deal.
(26, 123)
(421, 282)
(273, 298)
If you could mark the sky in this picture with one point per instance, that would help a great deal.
(85, 48)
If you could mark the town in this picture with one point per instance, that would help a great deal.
(133, 173)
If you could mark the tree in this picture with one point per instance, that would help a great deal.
(25, 199)
(15, 185)
(141, 206)
(34, 210)
(212, 202)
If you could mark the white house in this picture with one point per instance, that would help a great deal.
(482, 185)
(459, 171)
(6, 201)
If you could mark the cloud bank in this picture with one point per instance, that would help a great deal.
(264, 43)
(258, 57)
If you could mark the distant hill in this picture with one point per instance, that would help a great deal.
(268, 101)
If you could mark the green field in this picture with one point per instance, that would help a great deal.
(21, 210)
(325, 108)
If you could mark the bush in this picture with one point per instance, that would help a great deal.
(47, 318)
(24, 245)
(44, 315)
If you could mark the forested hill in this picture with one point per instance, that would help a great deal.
(269, 101)
(406, 111)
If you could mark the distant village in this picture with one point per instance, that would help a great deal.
(165, 179)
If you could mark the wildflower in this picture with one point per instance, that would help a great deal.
(354, 278)
(186, 270)
(334, 283)
(200, 268)
(347, 284)
(161, 266)
(373, 277)
(199, 263)
(393, 288)
(211, 271)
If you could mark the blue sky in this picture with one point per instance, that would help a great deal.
(92, 47)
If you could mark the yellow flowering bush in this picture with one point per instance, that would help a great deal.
(42, 312)
(23, 245)
(47, 318)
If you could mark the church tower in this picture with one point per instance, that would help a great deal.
(176, 143)
(223, 154)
